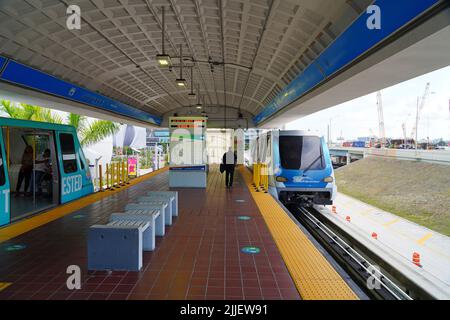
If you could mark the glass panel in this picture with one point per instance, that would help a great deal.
(290, 151)
(30, 171)
(312, 154)
(301, 152)
(68, 152)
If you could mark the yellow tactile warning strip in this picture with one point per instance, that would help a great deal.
(4, 285)
(313, 275)
(38, 220)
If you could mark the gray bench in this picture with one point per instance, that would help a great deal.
(160, 221)
(171, 195)
(151, 201)
(150, 216)
(117, 245)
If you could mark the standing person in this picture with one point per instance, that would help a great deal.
(229, 159)
(25, 170)
(42, 168)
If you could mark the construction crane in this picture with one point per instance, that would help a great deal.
(381, 119)
(420, 105)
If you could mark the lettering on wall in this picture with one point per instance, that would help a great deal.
(373, 22)
(73, 21)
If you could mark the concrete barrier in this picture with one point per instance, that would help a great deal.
(431, 156)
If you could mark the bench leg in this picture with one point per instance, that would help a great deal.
(148, 237)
(114, 249)
(160, 224)
(175, 207)
(168, 213)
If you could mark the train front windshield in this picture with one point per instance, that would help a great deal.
(301, 152)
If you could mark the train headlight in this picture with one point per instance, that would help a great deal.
(281, 179)
(328, 179)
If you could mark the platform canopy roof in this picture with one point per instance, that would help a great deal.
(263, 43)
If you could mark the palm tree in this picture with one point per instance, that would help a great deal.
(89, 132)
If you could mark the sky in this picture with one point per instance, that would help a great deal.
(356, 118)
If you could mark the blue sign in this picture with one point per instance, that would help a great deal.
(161, 133)
(352, 43)
(23, 75)
(244, 218)
(250, 250)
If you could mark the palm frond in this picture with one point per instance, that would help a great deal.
(96, 131)
(9, 108)
(76, 120)
(29, 112)
(46, 115)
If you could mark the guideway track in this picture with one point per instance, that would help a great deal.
(364, 270)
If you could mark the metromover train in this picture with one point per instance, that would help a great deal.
(42, 165)
(299, 165)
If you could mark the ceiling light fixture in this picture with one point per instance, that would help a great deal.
(181, 82)
(192, 93)
(199, 104)
(163, 58)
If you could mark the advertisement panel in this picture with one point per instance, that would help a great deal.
(132, 166)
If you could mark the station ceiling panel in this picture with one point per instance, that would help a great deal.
(242, 52)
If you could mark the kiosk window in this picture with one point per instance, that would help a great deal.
(68, 152)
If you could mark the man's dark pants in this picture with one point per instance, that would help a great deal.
(229, 173)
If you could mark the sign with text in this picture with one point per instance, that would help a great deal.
(132, 166)
(187, 140)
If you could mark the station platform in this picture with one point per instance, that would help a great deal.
(202, 255)
(396, 240)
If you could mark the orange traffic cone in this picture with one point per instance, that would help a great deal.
(348, 218)
(333, 209)
(375, 235)
(416, 259)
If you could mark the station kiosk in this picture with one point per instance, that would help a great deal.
(188, 161)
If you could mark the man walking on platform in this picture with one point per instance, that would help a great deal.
(229, 160)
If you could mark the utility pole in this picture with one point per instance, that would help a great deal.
(381, 120)
(328, 134)
(404, 133)
(417, 120)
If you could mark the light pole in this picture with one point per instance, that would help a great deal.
(417, 120)
(329, 130)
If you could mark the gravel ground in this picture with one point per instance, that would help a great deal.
(417, 191)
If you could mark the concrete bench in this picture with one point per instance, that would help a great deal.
(150, 216)
(116, 245)
(160, 221)
(151, 201)
(172, 195)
